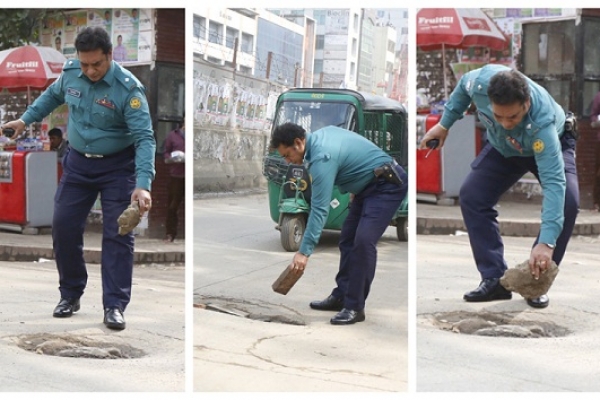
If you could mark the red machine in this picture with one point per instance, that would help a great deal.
(27, 187)
(440, 175)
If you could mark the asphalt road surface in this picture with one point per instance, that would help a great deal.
(237, 256)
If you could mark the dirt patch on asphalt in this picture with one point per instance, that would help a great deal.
(81, 345)
(505, 324)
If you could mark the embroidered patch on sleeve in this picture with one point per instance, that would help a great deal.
(135, 103)
(538, 146)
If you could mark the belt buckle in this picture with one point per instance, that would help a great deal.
(88, 155)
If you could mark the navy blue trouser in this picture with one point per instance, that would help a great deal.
(491, 176)
(82, 180)
(370, 214)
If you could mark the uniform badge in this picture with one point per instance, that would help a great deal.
(515, 143)
(135, 103)
(538, 146)
(106, 103)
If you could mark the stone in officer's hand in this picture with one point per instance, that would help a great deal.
(520, 280)
(129, 219)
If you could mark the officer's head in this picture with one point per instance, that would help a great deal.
(508, 92)
(289, 139)
(94, 50)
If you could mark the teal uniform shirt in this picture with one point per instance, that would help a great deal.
(538, 135)
(336, 157)
(105, 117)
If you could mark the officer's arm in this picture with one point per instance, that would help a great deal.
(323, 180)
(137, 117)
(548, 157)
(45, 103)
(458, 103)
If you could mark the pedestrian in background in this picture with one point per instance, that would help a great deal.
(57, 143)
(112, 149)
(595, 123)
(174, 155)
(342, 158)
(525, 133)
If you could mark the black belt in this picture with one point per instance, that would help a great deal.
(98, 156)
(389, 173)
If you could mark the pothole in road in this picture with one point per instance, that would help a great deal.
(496, 324)
(78, 346)
(247, 309)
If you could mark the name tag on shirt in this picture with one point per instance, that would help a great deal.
(73, 92)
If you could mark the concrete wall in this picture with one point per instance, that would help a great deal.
(232, 123)
(228, 160)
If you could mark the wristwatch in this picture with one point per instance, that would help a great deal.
(552, 246)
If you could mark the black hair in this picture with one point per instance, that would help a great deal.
(285, 134)
(93, 38)
(508, 87)
(55, 132)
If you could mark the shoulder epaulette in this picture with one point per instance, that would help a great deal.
(127, 79)
(71, 64)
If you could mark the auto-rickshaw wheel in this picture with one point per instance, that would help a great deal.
(402, 228)
(292, 230)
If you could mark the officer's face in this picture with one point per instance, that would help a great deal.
(94, 64)
(510, 115)
(292, 154)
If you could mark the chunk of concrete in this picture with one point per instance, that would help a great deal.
(129, 219)
(520, 280)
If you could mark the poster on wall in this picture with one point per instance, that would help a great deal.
(52, 32)
(130, 30)
(100, 18)
(125, 35)
(74, 22)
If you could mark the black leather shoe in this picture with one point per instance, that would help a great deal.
(347, 317)
(66, 307)
(488, 290)
(539, 302)
(329, 304)
(113, 318)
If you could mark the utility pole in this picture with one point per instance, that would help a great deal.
(269, 58)
(234, 94)
(234, 61)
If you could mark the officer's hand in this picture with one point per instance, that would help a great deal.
(299, 263)
(143, 199)
(17, 125)
(539, 260)
(437, 132)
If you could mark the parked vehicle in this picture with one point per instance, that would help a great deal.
(381, 120)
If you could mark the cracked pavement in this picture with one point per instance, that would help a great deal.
(155, 324)
(237, 256)
(506, 364)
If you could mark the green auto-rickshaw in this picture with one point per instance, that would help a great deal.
(379, 119)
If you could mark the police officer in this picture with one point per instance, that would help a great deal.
(526, 133)
(111, 153)
(338, 157)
